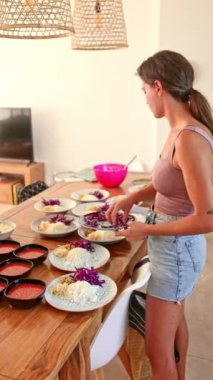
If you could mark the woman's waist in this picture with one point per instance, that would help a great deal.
(175, 206)
(155, 216)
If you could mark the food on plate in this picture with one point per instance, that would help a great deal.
(100, 235)
(79, 257)
(54, 208)
(92, 196)
(52, 205)
(4, 228)
(87, 197)
(79, 286)
(98, 220)
(56, 224)
(78, 254)
(63, 250)
(47, 226)
(92, 208)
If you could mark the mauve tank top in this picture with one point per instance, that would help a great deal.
(171, 194)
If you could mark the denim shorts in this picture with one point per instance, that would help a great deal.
(176, 263)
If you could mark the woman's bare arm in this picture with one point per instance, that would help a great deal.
(146, 194)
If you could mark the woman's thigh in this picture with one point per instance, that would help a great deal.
(162, 321)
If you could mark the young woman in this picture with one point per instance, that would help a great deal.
(182, 193)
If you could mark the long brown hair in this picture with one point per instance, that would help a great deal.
(176, 74)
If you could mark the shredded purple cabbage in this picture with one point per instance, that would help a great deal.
(95, 219)
(98, 194)
(85, 274)
(105, 207)
(51, 202)
(82, 243)
(61, 218)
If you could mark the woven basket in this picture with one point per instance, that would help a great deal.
(35, 18)
(99, 24)
(139, 362)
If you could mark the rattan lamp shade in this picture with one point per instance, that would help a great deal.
(35, 18)
(99, 25)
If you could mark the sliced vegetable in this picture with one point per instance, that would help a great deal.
(51, 202)
(85, 274)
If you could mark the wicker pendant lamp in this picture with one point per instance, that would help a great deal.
(99, 25)
(35, 19)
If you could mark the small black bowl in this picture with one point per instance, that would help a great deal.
(11, 269)
(25, 293)
(3, 284)
(7, 247)
(34, 252)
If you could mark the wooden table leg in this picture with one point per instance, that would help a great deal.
(77, 367)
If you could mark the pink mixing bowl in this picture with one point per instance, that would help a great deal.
(110, 175)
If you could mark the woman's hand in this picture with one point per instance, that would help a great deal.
(124, 205)
(134, 232)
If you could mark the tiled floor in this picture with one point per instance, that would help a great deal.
(199, 311)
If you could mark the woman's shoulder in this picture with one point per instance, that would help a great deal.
(195, 134)
(194, 146)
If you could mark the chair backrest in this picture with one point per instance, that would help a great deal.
(29, 191)
(112, 332)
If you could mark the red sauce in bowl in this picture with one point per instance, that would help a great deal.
(2, 286)
(31, 253)
(25, 291)
(14, 269)
(7, 248)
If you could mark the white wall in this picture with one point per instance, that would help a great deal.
(186, 26)
(87, 107)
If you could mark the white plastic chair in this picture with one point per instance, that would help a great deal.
(113, 331)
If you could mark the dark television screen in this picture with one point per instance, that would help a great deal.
(16, 141)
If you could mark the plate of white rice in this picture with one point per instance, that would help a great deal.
(53, 206)
(80, 296)
(90, 195)
(69, 258)
(45, 227)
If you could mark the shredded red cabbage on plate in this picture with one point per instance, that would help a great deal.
(82, 243)
(51, 202)
(86, 274)
(98, 194)
(61, 218)
(98, 220)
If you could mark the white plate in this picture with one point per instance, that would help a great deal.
(77, 195)
(106, 293)
(100, 256)
(85, 208)
(66, 204)
(71, 228)
(81, 232)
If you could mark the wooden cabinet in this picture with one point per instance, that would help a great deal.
(26, 173)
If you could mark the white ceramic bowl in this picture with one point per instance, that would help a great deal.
(6, 229)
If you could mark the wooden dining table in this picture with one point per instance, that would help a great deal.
(44, 342)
